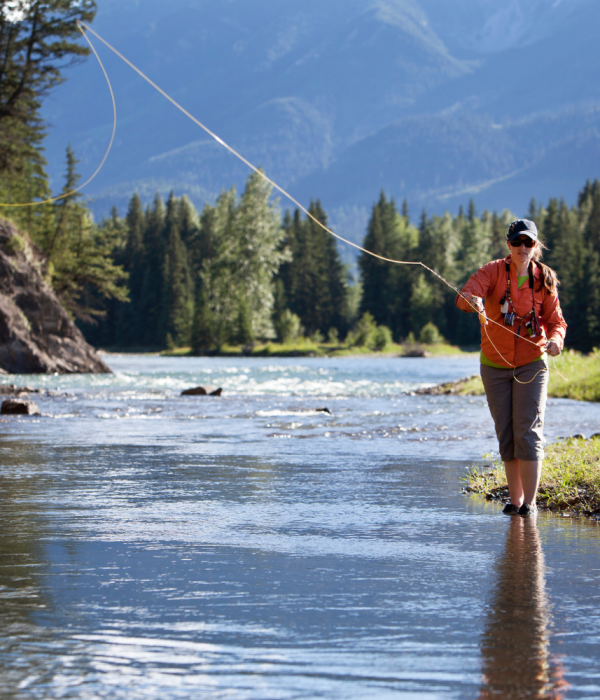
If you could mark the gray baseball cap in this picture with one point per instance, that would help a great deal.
(522, 226)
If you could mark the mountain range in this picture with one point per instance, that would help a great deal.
(433, 101)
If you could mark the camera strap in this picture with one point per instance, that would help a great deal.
(507, 306)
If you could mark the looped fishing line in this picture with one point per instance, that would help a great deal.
(112, 138)
(258, 171)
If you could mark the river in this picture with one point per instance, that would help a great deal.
(254, 546)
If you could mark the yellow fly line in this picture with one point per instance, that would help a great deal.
(82, 27)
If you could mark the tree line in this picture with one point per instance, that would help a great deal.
(237, 272)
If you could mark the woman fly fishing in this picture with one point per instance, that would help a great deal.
(519, 293)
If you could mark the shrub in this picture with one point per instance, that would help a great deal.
(333, 336)
(365, 331)
(383, 338)
(169, 342)
(288, 327)
(430, 335)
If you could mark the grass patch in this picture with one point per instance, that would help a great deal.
(581, 376)
(443, 349)
(570, 478)
(177, 352)
(472, 386)
(579, 379)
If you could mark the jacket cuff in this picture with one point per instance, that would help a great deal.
(558, 339)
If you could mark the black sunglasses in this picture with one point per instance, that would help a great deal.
(518, 242)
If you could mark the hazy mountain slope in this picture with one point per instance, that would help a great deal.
(288, 88)
(488, 26)
(431, 100)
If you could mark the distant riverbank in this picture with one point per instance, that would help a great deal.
(309, 348)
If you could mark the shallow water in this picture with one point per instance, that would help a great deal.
(250, 546)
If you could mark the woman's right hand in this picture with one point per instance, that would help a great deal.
(477, 305)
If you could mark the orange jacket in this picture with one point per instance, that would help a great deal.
(489, 282)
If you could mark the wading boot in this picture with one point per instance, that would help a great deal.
(509, 509)
(527, 509)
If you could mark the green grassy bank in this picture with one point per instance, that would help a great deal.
(570, 480)
(309, 348)
(572, 376)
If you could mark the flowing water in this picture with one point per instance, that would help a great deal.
(254, 546)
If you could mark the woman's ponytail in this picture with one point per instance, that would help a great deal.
(549, 278)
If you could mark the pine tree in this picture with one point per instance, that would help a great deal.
(298, 274)
(377, 282)
(533, 213)
(178, 295)
(315, 278)
(472, 215)
(336, 312)
(284, 280)
(37, 39)
(387, 287)
(152, 287)
(203, 333)
(422, 304)
(189, 221)
(243, 332)
(82, 259)
(405, 213)
(498, 248)
(589, 204)
(63, 207)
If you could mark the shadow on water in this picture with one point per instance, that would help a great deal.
(516, 659)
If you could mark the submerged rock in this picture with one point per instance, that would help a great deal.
(11, 407)
(203, 391)
(12, 390)
(36, 333)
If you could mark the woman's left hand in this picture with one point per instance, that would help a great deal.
(552, 348)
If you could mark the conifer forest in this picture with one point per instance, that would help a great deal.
(239, 271)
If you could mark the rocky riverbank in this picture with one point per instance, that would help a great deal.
(36, 333)
(470, 386)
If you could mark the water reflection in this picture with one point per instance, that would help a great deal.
(516, 660)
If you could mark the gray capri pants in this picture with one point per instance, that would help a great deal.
(518, 409)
